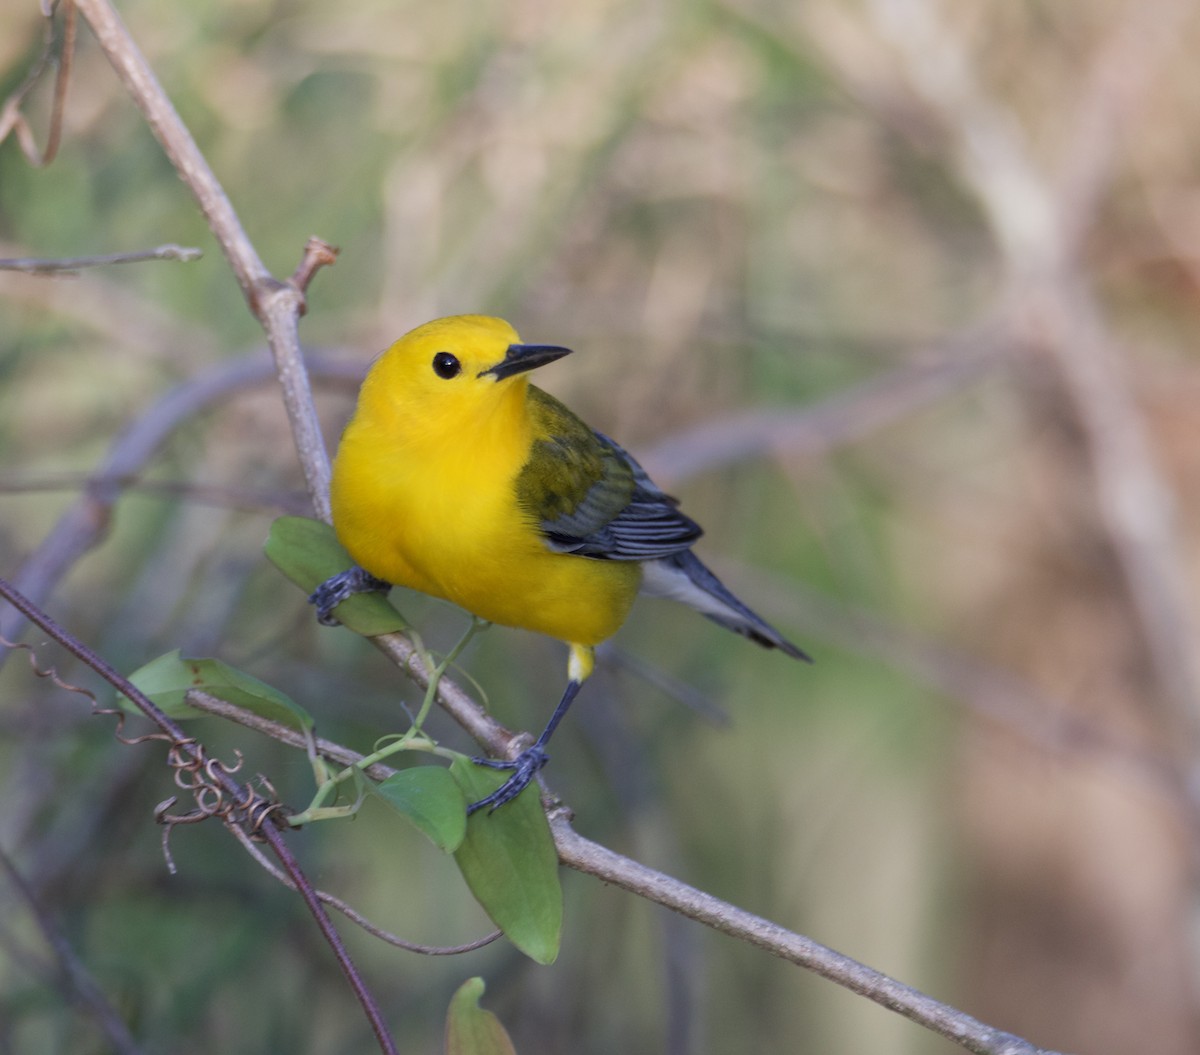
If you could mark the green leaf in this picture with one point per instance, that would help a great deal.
(307, 552)
(470, 1030)
(431, 798)
(509, 862)
(166, 681)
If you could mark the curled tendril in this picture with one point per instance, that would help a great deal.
(200, 775)
(51, 673)
(195, 772)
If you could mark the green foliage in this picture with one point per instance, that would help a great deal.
(509, 862)
(308, 552)
(168, 679)
(431, 799)
(470, 1030)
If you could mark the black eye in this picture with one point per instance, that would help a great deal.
(446, 366)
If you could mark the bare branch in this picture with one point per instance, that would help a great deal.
(277, 305)
(845, 417)
(11, 118)
(586, 856)
(77, 263)
(317, 254)
(579, 853)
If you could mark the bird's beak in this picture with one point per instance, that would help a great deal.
(522, 357)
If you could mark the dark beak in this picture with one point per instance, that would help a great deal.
(522, 357)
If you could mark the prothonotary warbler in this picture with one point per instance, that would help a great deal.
(457, 477)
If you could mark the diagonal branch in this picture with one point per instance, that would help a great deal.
(277, 305)
(577, 852)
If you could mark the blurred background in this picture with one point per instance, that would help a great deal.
(898, 296)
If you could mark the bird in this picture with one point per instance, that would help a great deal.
(457, 477)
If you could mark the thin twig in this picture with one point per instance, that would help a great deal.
(38, 265)
(357, 917)
(285, 734)
(11, 117)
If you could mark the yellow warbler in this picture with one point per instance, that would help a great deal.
(459, 478)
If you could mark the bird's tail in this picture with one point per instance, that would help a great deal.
(683, 577)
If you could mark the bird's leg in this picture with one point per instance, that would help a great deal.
(337, 588)
(526, 765)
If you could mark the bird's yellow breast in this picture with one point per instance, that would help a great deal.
(431, 504)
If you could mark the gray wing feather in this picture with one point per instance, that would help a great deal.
(647, 526)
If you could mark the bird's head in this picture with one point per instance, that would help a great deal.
(464, 364)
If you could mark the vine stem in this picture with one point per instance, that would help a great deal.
(229, 786)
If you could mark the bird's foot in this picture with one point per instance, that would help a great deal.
(338, 588)
(525, 767)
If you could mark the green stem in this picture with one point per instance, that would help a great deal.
(412, 740)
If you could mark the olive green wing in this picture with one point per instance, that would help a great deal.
(591, 497)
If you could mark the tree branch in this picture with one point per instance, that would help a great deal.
(38, 265)
(277, 305)
(583, 855)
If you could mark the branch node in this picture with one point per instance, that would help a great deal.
(317, 254)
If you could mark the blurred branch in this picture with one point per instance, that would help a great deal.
(224, 496)
(77, 263)
(11, 118)
(845, 417)
(991, 692)
(81, 986)
(1124, 67)
(86, 522)
(1051, 306)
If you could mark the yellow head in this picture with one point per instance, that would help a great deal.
(453, 371)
